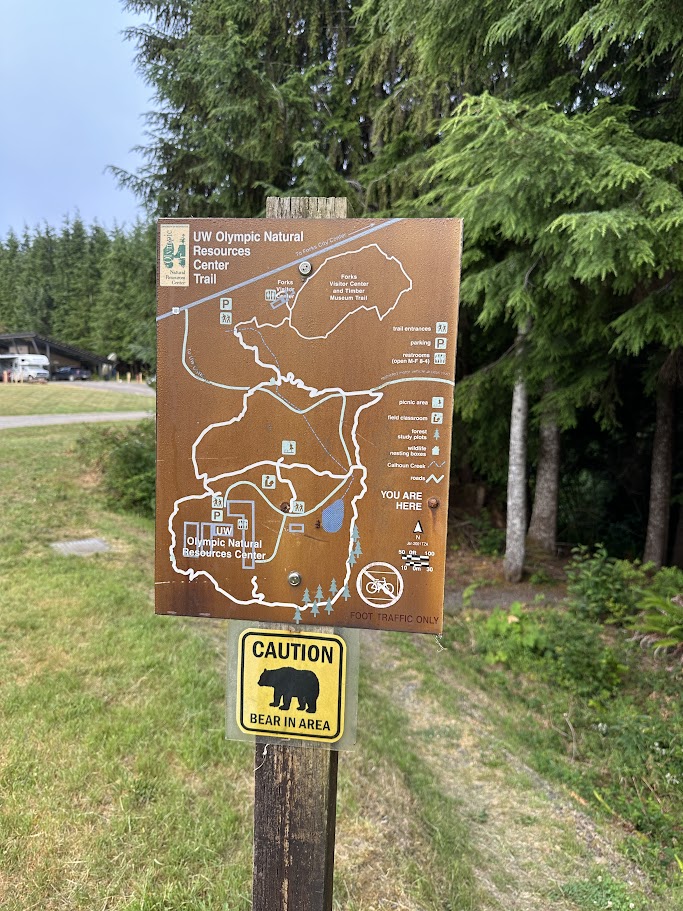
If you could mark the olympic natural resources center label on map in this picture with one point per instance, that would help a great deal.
(305, 395)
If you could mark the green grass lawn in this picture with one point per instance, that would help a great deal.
(118, 790)
(619, 753)
(66, 398)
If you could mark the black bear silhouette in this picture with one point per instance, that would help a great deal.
(288, 682)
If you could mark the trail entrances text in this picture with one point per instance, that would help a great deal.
(304, 419)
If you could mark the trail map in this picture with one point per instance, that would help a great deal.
(304, 410)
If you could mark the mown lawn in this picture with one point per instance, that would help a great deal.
(117, 787)
(67, 398)
(473, 787)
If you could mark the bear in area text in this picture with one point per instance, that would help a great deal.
(288, 682)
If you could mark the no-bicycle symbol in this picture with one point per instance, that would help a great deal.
(291, 685)
(379, 584)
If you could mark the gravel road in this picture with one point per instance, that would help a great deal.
(46, 420)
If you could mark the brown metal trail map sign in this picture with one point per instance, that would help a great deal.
(305, 393)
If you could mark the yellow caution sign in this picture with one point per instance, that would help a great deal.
(291, 685)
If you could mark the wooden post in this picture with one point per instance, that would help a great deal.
(295, 791)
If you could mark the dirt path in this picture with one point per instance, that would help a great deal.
(529, 837)
(478, 580)
(488, 596)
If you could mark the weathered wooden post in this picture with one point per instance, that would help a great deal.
(294, 825)
(295, 787)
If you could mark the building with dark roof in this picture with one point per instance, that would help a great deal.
(58, 353)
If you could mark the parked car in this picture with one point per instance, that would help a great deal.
(71, 373)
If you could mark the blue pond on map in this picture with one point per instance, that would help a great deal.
(333, 516)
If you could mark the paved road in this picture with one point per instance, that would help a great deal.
(45, 420)
(130, 388)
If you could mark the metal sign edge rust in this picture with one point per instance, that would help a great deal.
(304, 411)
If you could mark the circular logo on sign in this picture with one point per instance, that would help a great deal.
(379, 584)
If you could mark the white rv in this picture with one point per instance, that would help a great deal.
(26, 368)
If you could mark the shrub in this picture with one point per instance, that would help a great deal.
(577, 658)
(480, 534)
(602, 588)
(492, 542)
(125, 458)
(661, 623)
(509, 634)
(668, 581)
(563, 650)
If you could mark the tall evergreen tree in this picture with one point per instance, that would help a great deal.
(519, 174)
(72, 286)
(554, 128)
(83, 287)
(123, 322)
(250, 96)
(10, 261)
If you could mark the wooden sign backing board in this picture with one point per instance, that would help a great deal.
(304, 409)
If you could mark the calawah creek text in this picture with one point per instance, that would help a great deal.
(218, 547)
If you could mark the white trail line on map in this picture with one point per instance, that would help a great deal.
(380, 317)
(269, 387)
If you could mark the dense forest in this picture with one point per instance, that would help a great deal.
(554, 128)
(84, 286)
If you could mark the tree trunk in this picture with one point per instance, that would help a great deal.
(516, 497)
(660, 478)
(543, 525)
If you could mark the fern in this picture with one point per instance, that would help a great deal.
(660, 626)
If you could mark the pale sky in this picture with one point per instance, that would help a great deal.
(71, 103)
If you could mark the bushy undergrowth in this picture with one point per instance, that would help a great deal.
(562, 650)
(602, 588)
(617, 737)
(478, 533)
(661, 623)
(593, 710)
(608, 590)
(125, 459)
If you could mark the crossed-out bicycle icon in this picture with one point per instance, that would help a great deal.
(379, 584)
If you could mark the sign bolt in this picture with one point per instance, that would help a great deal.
(305, 268)
(284, 507)
(294, 579)
(432, 502)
